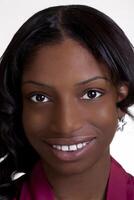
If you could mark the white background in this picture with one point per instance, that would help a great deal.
(13, 14)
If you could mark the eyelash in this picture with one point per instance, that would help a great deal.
(33, 97)
(95, 92)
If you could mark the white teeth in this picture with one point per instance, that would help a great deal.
(84, 144)
(58, 147)
(73, 147)
(64, 148)
(79, 146)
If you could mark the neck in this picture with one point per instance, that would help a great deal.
(90, 184)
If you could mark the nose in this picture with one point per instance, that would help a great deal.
(67, 119)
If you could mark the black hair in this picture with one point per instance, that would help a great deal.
(88, 26)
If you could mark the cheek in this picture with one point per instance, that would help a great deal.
(104, 116)
(109, 118)
(34, 121)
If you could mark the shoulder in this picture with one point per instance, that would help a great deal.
(121, 183)
(117, 168)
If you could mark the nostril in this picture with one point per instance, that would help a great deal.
(67, 117)
(66, 127)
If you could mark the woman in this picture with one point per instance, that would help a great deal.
(67, 80)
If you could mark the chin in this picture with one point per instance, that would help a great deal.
(72, 168)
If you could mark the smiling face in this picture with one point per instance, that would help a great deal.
(69, 107)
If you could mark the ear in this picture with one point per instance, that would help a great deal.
(122, 92)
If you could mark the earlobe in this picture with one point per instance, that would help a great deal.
(120, 113)
(122, 94)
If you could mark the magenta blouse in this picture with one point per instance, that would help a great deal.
(120, 185)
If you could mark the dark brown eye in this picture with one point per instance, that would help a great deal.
(39, 98)
(92, 94)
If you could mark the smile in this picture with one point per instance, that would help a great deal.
(73, 147)
(69, 150)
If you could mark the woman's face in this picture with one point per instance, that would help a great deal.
(69, 107)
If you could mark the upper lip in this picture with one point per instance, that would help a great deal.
(69, 140)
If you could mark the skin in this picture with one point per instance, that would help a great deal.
(71, 109)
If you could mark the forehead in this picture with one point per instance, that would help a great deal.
(67, 61)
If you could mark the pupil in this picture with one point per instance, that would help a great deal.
(91, 94)
(40, 97)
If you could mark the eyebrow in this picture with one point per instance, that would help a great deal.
(92, 79)
(77, 84)
(38, 84)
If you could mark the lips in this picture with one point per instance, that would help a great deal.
(70, 149)
(69, 141)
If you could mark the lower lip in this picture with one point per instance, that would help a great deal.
(73, 155)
